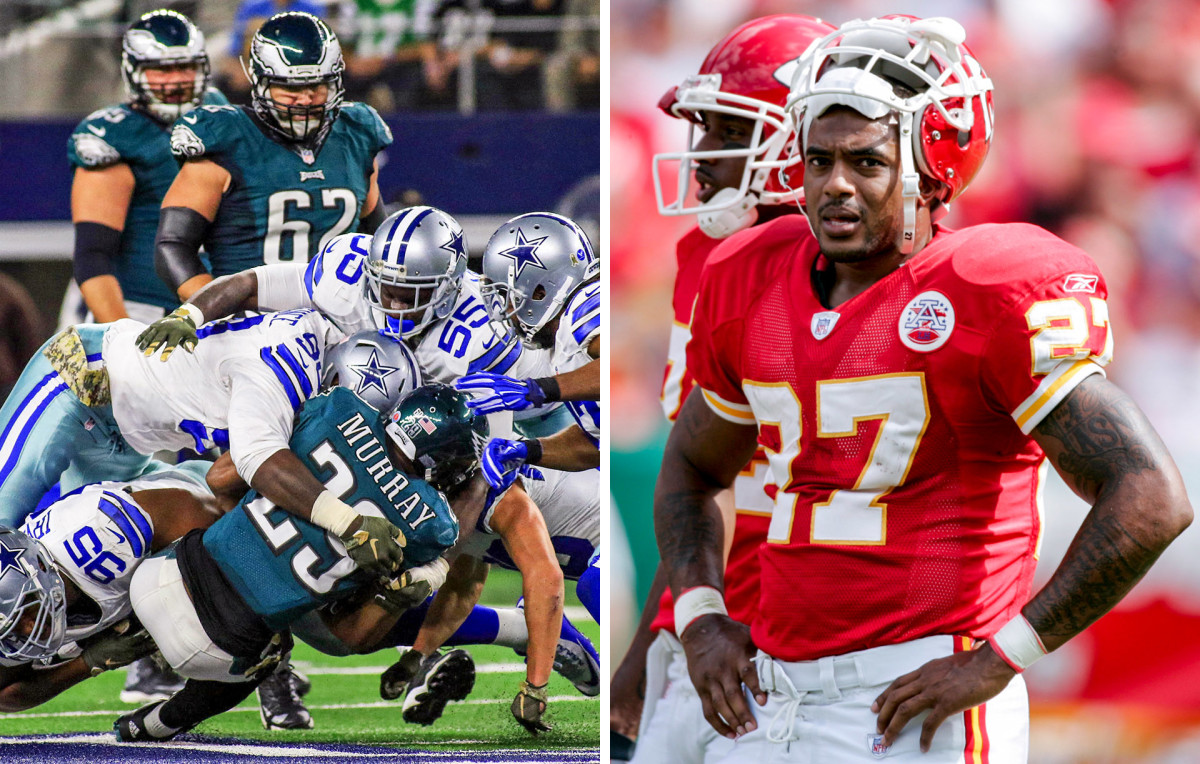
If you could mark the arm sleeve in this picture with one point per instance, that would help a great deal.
(281, 286)
(260, 419)
(96, 246)
(177, 245)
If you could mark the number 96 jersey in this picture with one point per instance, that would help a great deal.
(906, 485)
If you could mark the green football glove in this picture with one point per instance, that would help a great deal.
(377, 546)
(393, 683)
(411, 587)
(118, 646)
(529, 706)
(169, 332)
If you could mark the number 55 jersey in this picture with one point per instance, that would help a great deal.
(907, 487)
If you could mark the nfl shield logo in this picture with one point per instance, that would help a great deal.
(307, 156)
(823, 323)
(876, 747)
(926, 322)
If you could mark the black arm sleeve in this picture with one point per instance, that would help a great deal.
(96, 246)
(177, 245)
(370, 224)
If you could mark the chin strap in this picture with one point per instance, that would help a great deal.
(910, 183)
(727, 221)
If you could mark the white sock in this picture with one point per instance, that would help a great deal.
(511, 631)
(154, 725)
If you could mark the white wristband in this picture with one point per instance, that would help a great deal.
(192, 312)
(332, 514)
(1018, 644)
(695, 602)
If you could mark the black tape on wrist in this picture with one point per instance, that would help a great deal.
(549, 386)
(533, 447)
(96, 246)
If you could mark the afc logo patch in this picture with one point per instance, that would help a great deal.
(1081, 282)
(926, 322)
(823, 323)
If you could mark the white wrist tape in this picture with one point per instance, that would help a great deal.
(433, 572)
(695, 602)
(332, 514)
(192, 312)
(1018, 644)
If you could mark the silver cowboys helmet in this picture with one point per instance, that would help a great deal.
(376, 366)
(422, 251)
(532, 266)
(294, 50)
(164, 39)
(29, 586)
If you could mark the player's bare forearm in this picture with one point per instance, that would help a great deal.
(22, 688)
(361, 628)
(227, 295)
(104, 298)
(285, 480)
(703, 455)
(569, 450)
(1106, 450)
(467, 503)
(582, 384)
(452, 603)
(628, 685)
(225, 482)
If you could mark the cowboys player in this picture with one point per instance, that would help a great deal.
(64, 578)
(220, 607)
(123, 167)
(275, 182)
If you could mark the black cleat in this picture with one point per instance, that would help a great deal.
(279, 704)
(393, 683)
(131, 727)
(301, 681)
(443, 677)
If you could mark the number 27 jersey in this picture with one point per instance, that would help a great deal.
(906, 484)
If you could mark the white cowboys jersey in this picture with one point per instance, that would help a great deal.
(254, 371)
(570, 504)
(98, 535)
(579, 325)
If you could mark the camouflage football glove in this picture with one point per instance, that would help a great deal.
(169, 332)
(412, 587)
(393, 683)
(500, 393)
(119, 645)
(377, 546)
(529, 707)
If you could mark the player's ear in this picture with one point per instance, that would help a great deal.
(930, 191)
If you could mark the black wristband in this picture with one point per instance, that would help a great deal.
(177, 245)
(370, 224)
(96, 245)
(549, 386)
(533, 450)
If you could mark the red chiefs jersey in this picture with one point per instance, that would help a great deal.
(897, 424)
(752, 503)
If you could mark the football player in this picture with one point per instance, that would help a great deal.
(275, 182)
(64, 578)
(736, 103)
(220, 606)
(909, 383)
(411, 280)
(91, 406)
(123, 167)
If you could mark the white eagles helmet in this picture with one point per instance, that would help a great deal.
(159, 39)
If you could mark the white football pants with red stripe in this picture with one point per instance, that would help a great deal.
(820, 711)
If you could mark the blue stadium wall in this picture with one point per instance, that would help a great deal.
(486, 164)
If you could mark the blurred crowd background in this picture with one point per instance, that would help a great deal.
(494, 105)
(1097, 139)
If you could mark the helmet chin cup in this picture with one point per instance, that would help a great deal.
(407, 326)
(725, 221)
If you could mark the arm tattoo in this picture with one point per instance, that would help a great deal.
(1110, 454)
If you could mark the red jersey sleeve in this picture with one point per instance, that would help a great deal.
(1052, 331)
(714, 350)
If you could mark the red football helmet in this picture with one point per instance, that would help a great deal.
(944, 107)
(748, 74)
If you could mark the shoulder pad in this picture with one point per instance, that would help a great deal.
(209, 129)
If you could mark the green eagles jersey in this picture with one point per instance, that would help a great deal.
(282, 205)
(124, 134)
(382, 26)
(284, 566)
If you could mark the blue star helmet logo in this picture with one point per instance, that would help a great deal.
(9, 559)
(456, 244)
(372, 374)
(524, 252)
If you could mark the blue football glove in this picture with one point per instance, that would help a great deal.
(497, 392)
(504, 460)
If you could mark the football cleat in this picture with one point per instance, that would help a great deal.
(147, 679)
(442, 677)
(279, 704)
(300, 680)
(576, 660)
(131, 727)
(393, 683)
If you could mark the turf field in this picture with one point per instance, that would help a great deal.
(352, 723)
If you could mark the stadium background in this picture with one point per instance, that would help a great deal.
(1098, 139)
(484, 147)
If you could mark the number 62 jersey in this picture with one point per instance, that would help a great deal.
(907, 487)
